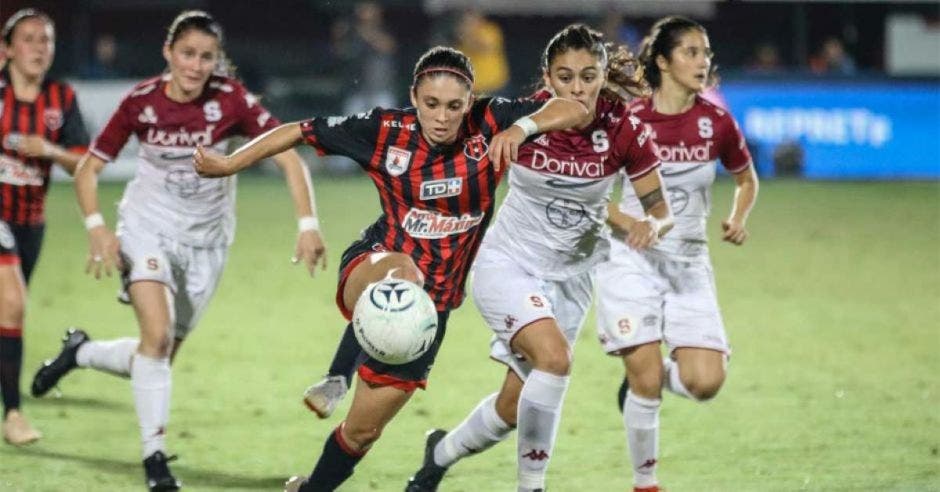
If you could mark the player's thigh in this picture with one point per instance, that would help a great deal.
(151, 302)
(692, 316)
(629, 297)
(375, 267)
(195, 286)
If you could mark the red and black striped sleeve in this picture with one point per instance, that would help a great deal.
(351, 136)
(496, 114)
(74, 135)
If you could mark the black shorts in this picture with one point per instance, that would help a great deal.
(412, 375)
(20, 244)
(355, 254)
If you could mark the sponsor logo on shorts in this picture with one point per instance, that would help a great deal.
(153, 264)
(441, 188)
(510, 321)
(425, 224)
(625, 326)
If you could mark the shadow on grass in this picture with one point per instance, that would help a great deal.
(80, 402)
(188, 475)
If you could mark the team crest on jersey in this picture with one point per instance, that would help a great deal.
(148, 116)
(53, 118)
(397, 161)
(475, 147)
(212, 110)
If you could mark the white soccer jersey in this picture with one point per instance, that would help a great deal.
(689, 145)
(553, 218)
(166, 196)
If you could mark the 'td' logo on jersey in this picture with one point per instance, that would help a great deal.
(397, 161)
(475, 147)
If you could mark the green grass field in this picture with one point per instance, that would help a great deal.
(833, 309)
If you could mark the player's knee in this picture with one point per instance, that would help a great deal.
(554, 360)
(362, 438)
(403, 267)
(156, 345)
(647, 384)
(703, 386)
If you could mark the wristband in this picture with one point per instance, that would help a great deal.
(655, 223)
(93, 220)
(528, 126)
(308, 223)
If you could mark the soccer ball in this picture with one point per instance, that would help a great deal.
(395, 321)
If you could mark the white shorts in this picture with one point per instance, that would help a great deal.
(192, 274)
(645, 297)
(509, 298)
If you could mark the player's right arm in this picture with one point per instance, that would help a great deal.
(103, 244)
(210, 164)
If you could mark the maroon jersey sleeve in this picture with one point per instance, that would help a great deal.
(733, 148)
(115, 134)
(351, 136)
(634, 149)
(254, 119)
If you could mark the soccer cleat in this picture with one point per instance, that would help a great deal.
(52, 370)
(294, 484)
(622, 394)
(430, 475)
(323, 397)
(17, 431)
(158, 473)
(651, 488)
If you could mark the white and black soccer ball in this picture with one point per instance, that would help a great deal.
(395, 321)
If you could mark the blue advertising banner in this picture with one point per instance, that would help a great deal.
(847, 130)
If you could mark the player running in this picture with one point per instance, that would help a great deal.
(667, 294)
(40, 125)
(532, 279)
(174, 228)
(427, 233)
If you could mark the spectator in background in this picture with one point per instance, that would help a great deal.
(102, 66)
(766, 59)
(619, 31)
(832, 59)
(482, 41)
(367, 54)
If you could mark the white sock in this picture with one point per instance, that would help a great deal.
(539, 415)
(112, 356)
(151, 382)
(671, 380)
(641, 419)
(479, 431)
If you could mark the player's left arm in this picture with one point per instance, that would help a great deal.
(745, 195)
(737, 160)
(555, 114)
(310, 246)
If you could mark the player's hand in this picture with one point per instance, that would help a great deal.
(208, 164)
(641, 235)
(310, 250)
(103, 251)
(34, 146)
(504, 147)
(734, 232)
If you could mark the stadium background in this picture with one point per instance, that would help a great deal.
(832, 306)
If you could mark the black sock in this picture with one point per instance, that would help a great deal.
(347, 357)
(335, 465)
(11, 360)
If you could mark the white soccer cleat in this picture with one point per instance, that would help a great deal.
(323, 397)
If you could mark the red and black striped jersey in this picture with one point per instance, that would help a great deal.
(54, 115)
(436, 200)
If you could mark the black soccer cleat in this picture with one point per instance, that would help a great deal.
(622, 394)
(52, 370)
(158, 473)
(430, 475)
